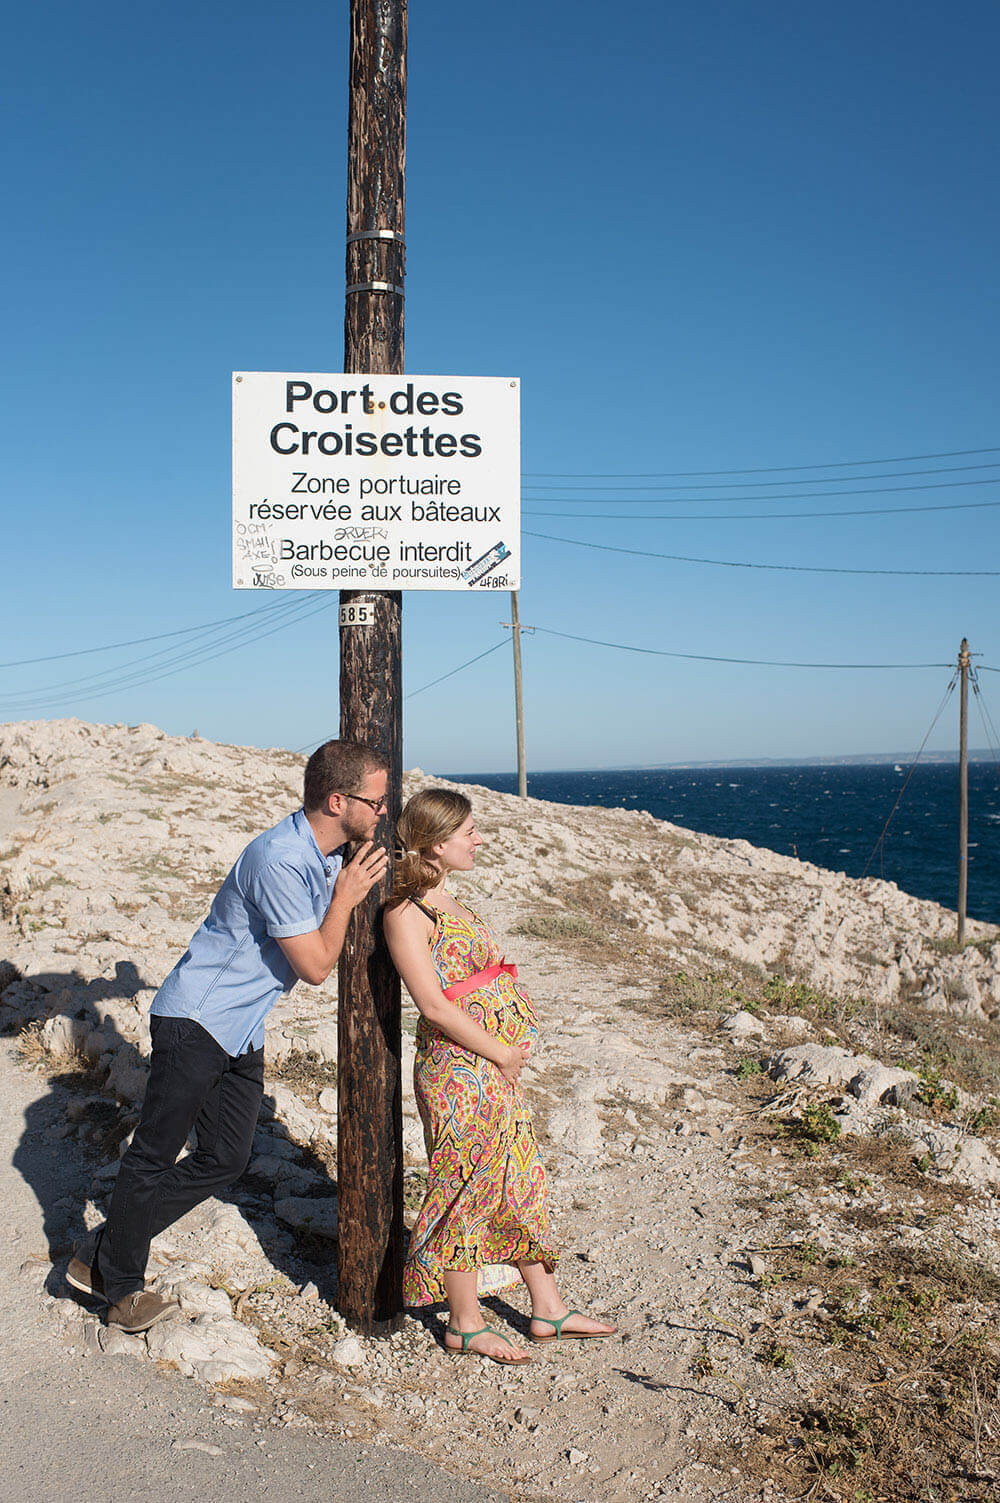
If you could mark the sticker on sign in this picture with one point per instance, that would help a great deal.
(375, 482)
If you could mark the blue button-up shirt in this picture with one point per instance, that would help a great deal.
(234, 970)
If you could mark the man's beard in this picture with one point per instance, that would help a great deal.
(355, 824)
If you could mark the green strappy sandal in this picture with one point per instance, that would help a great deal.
(557, 1333)
(468, 1336)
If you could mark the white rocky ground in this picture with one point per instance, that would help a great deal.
(639, 942)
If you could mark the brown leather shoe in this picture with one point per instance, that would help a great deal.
(82, 1272)
(138, 1311)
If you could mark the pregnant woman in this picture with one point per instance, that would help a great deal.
(485, 1220)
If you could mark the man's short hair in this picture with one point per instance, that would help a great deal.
(339, 767)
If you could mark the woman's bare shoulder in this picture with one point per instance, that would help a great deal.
(407, 915)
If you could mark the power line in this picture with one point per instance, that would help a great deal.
(178, 653)
(872, 490)
(774, 469)
(181, 631)
(177, 665)
(746, 485)
(727, 563)
(121, 673)
(702, 657)
(757, 516)
(992, 736)
(451, 673)
(913, 765)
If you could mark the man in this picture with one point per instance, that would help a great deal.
(279, 917)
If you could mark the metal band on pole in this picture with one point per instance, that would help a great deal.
(376, 287)
(376, 235)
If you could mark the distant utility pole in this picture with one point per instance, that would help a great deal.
(515, 630)
(963, 787)
(369, 1120)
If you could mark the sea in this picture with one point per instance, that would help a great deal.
(832, 815)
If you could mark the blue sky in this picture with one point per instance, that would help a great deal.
(719, 238)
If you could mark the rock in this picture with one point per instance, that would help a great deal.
(8, 975)
(267, 1166)
(757, 1264)
(275, 1145)
(309, 1291)
(296, 1179)
(123, 1020)
(228, 1234)
(328, 1100)
(214, 1348)
(90, 1333)
(575, 1457)
(277, 1047)
(66, 1035)
(97, 1044)
(743, 1025)
(969, 1160)
(115, 1343)
(296, 1118)
(790, 1024)
(348, 1352)
(192, 1297)
(234, 1402)
(35, 1269)
(819, 1064)
(883, 1083)
(79, 1109)
(128, 1075)
(317, 1216)
(198, 1445)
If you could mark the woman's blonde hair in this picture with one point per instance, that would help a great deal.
(429, 818)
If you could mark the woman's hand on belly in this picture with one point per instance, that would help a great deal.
(512, 1065)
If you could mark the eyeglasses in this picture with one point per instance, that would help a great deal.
(375, 804)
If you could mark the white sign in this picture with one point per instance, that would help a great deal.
(375, 482)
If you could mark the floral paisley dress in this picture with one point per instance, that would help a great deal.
(486, 1206)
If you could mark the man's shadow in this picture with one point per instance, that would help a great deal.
(70, 1128)
(69, 1149)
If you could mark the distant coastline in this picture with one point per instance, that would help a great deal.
(859, 759)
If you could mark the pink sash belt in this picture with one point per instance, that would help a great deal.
(479, 979)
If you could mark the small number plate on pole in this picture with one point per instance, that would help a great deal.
(358, 613)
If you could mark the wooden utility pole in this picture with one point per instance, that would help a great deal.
(515, 631)
(963, 787)
(369, 1119)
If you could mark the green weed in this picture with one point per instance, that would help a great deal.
(933, 1091)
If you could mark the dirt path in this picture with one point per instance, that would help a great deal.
(80, 1424)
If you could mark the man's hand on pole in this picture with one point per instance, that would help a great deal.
(359, 875)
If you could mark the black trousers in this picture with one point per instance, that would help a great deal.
(193, 1082)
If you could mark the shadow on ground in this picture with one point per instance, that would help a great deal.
(69, 1149)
